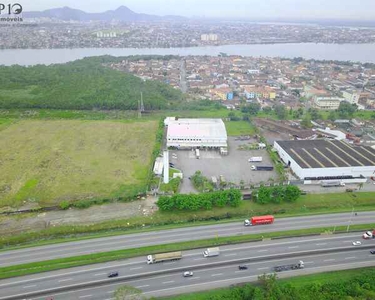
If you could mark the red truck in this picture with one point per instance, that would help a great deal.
(261, 220)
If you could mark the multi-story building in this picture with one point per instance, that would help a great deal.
(257, 92)
(352, 96)
(328, 102)
(223, 93)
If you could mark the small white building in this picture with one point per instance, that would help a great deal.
(196, 133)
(158, 166)
(326, 159)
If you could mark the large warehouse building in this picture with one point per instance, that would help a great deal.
(196, 133)
(326, 159)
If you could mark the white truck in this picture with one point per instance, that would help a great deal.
(332, 183)
(256, 159)
(211, 252)
(197, 154)
(155, 258)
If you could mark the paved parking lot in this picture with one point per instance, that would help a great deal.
(234, 167)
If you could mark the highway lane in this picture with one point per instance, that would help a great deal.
(210, 278)
(194, 258)
(8, 258)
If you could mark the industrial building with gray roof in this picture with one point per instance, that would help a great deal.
(326, 158)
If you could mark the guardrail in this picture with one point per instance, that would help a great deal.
(98, 283)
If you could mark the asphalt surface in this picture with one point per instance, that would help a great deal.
(261, 257)
(8, 258)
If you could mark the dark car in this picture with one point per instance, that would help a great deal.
(242, 267)
(372, 251)
(113, 274)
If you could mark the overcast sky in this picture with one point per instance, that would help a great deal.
(301, 9)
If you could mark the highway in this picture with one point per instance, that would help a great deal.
(68, 249)
(166, 278)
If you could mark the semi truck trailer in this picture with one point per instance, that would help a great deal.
(211, 252)
(260, 220)
(332, 183)
(262, 168)
(299, 265)
(155, 258)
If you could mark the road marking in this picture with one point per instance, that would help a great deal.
(331, 259)
(265, 250)
(352, 257)
(308, 262)
(110, 292)
(219, 274)
(99, 274)
(234, 254)
(165, 282)
(85, 296)
(321, 244)
(29, 286)
(293, 247)
(169, 263)
(142, 286)
(265, 268)
(136, 268)
(346, 241)
(239, 271)
(191, 278)
(202, 258)
(62, 280)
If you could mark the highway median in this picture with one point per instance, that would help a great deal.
(75, 261)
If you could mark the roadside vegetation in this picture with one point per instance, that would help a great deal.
(356, 284)
(63, 263)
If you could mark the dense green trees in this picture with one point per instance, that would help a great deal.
(346, 110)
(83, 84)
(277, 194)
(194, 202)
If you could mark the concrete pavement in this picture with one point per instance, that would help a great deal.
(136, 240)
(252, 253)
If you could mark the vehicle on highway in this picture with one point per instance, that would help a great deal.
(243, 267)
(372, 251)
(260, 220)
(369, 235)
(113, 274)
(155, 258)
(357, 243)
(188, 274)
(209, 252)
(299, 265)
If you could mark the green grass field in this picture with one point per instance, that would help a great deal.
(236, 128)
(46, 162)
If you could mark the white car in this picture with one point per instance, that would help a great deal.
(357, 243)
(188, 274)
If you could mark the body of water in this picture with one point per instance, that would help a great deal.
(352, 52)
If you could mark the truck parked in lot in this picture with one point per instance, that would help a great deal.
(369, 235)
(211, 252)
(262, 168)
(299, 265)
(256, 159)
(155, 258)
(261, 220)
(332, 183)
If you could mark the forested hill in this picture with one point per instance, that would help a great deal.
(83, 84)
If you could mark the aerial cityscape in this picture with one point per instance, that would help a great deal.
(190, 150)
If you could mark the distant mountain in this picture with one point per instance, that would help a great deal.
(122, 13)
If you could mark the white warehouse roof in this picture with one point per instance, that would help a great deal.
(196, 133)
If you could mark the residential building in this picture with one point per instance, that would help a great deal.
(352, 96)
(257, 92)
(327, 103)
